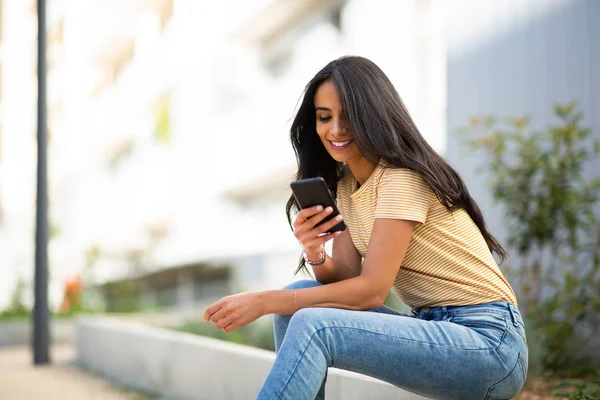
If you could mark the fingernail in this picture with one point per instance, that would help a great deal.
(329, 209)
(338, 218)
(319, 208)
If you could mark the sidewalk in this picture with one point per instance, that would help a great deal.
(19, 379)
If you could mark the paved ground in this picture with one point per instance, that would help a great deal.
(19, 379)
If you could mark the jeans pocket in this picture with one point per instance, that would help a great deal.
(492, 326)
(508, 387)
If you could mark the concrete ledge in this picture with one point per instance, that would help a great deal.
(179, 365)
(18, 332)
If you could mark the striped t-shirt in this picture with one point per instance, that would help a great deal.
(447, 261)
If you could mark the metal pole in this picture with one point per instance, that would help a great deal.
(40, 308)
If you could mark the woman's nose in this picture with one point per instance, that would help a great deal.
(339, 127)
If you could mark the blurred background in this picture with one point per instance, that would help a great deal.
(169, 153)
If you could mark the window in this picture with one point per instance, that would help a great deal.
(1, 207)
(162, 119)
(163, 9)
(1, 21)
(112, 61)
(119, 152)
(279, 42)
(278, 61)
(165, 13)
(57, 32)
(122, 58)
(335, 17)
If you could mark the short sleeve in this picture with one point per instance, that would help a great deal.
(402, 194)
(343, 194)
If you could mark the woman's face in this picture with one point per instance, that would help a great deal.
(331, 126)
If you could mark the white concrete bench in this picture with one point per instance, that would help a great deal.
(18, 332)
(179, 365)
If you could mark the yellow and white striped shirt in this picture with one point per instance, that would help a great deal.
(448, 262)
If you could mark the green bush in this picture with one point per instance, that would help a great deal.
(586, 393)
(577, 389)
(553, 230)
(17, 307)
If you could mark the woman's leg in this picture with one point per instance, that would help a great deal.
(281, 322)
(440, 359)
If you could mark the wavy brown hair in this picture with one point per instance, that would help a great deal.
(383, 130)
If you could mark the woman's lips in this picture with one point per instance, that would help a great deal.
(340, 145)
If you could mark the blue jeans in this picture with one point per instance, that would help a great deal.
(463, 352)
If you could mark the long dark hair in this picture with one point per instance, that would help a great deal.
(382, 129)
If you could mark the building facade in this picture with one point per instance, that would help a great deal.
(169, 119)
(170, 136)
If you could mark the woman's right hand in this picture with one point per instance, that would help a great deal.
(310, 236)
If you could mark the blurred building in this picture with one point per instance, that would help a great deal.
(516, 58)
(18, 87)
(169, 127)
(169, 119)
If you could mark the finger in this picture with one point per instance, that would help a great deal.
(223, 322)
(306, 213)
(320, 240)
(211, 310)
(311, 223)
(219, 315)
(327, 237)
(230, 328)
(320, 230)
(301, 229)
(315, 220)
(330, 224)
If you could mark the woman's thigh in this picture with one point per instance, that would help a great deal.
(435, 358)
(281, 321)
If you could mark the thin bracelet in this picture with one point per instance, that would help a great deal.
(295, 300)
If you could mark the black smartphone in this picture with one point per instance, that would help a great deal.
(314, 192)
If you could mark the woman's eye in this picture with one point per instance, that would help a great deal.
(323, 119)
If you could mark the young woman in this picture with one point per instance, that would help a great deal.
(413, 227)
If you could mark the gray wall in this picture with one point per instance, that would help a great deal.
(526, 55)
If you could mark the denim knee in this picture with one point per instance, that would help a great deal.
(310, 318)
(302, 284)
(312, 324)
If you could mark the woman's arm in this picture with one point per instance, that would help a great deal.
(388, 244)
(344, 262)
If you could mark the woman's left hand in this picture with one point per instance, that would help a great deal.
(233, 312)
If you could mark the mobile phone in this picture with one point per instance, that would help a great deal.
(314, 192)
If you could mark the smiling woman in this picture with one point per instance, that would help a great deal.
(331, 125)
(412, 226)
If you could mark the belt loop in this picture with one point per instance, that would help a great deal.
(444, 313)
(512, 313)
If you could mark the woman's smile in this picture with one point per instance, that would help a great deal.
(340, 145)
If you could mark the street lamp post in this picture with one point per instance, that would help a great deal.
(40, 307)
